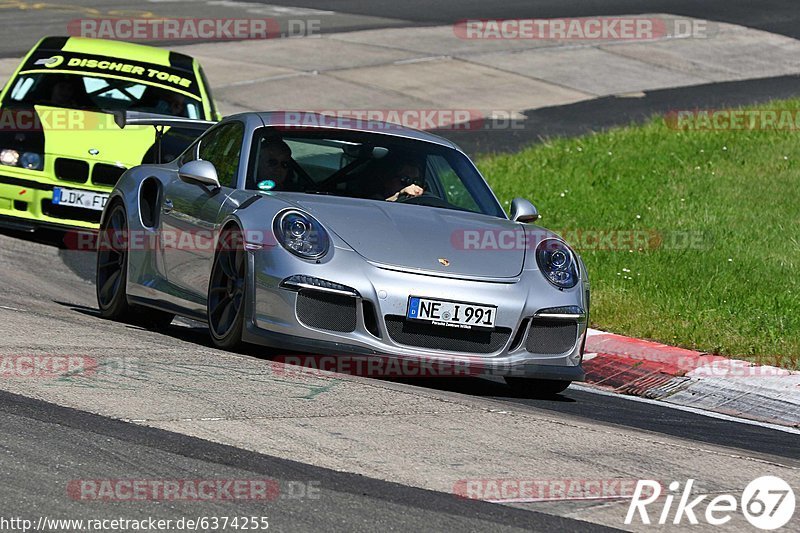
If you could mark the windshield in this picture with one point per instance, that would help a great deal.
(368, 166)
(97, 93)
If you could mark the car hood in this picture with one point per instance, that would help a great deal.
(420, 238)
(73, 133)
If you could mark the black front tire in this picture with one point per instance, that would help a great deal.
(227, 290)
(112, 275)
(537, 388)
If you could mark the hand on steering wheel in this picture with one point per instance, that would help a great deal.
(426, 198)
(410, 191)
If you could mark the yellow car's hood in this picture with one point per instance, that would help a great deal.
(93, 136)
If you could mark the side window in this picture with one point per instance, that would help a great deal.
(448, 180)
(189, 155)
(222, 147)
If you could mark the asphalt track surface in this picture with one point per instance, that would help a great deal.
(84, 445)
(651, 417)
(581, 403)
(603, 113)
(777, 16)
(71, 444)
(24, 22)
(614, 410)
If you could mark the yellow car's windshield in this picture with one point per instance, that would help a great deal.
(97, 93)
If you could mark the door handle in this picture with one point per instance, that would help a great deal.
(167, 206)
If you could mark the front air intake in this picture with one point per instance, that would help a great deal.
(551, 337)
(324, 310)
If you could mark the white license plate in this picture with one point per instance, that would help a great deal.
(78, 198)
(451, 314)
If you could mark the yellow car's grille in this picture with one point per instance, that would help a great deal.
(73, 170)
(103, 174)
(77, 171)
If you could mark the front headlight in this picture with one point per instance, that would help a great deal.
(557, 263)
(301, 234)
(9, 157)
(31, 160)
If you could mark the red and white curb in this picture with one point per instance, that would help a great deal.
(693, 379)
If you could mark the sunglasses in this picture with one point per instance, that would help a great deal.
(408, 180)
(275, 162)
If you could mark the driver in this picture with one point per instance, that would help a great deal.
(173, 104)
(274, 166)
(403, 182)
(66, 92)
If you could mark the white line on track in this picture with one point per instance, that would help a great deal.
(567, 499)
(710, 414)
(270, 9)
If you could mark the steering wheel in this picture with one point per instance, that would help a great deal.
(426, 198)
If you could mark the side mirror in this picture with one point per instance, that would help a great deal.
(199, 172)
(523, 211)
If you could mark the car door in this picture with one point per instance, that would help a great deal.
(191, 214)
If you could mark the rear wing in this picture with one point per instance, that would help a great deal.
(139, 118)
(182, 132)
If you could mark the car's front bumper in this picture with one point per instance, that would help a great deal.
(25, 202)
(274, 319)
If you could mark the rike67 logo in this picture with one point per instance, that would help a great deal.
(767, 503)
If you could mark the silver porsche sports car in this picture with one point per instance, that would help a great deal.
(342, 237)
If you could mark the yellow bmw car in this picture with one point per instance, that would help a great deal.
(62, 145)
